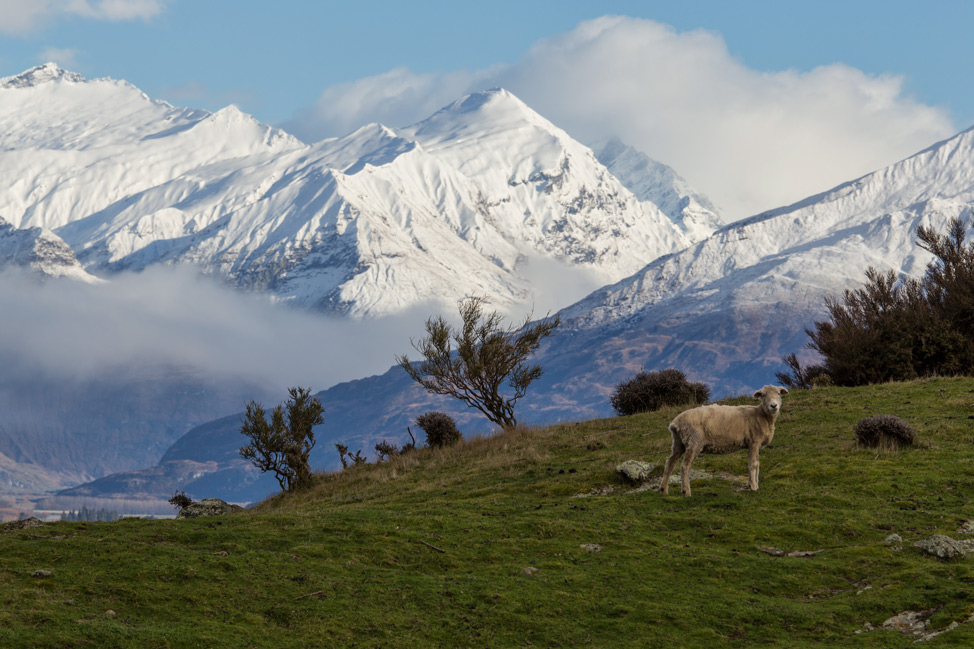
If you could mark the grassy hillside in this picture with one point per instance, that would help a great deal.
(482, 546)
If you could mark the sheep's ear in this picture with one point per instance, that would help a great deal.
(758, 394)
(783, 390)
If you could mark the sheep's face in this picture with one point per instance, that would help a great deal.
(770, 396)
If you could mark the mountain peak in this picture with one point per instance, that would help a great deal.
(493, 110)
(493, 96)
(41, 74)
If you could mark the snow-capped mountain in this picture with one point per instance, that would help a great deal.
(724, 311)
(367, 224)
(659, 185)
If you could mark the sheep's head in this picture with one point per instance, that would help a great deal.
(770, 396)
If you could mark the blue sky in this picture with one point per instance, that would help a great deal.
(882, 79)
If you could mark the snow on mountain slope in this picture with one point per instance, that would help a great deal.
(39, 251)
(659, 185)
(368, 224)
(823, 243)
(550, 191)
(74, 147)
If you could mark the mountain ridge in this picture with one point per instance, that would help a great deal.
(208, 189)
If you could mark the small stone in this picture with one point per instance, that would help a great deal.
(41, 574)
(910, 623)
(893, 539)
(530, 570)
(591, 547)
(635, 471)
(804, 553)
(110, 613)
(942, 547)
(773, 551)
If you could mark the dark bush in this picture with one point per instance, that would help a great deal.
(346, 456)
(803, 377)
(648, 391)
(884, 431)
(388, 450)
(895, 328)
(440, 429)
(180, 500)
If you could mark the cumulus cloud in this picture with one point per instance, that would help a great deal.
(173, 317)
(21, 17)
(750, 139)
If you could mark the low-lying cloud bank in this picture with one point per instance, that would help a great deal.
(750, 139)
(174, 317)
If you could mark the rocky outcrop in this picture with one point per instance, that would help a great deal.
(944, 547)
(208, 507)
(25, 524)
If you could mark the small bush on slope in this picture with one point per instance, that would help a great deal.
(649, 391)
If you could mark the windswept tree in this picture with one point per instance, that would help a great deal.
(284, 444)
(481, 363)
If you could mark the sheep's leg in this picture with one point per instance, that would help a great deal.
(692, 452)
(753, 466)
(677, 451)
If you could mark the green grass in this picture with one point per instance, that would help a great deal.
(479, 546)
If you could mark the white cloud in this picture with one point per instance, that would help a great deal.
(66, 58)
(24, 16)
(128, 9)
(395, 98)
(751, 140)
(171, 317)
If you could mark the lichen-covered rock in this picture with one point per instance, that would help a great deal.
(893, 539)
(25, 524)
(635, 471)
(943, 547)
(208, 507)
(966, 528)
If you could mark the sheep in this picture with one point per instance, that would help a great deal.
(722, 429)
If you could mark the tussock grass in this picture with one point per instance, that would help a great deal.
(485, 544)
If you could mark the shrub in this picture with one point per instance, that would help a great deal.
(180, 500)
(440, 429)
(803, 378)
(283, 445)
(884, 431)
(346, 456)
(388, 450)
(894, 329)
(648, 391)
